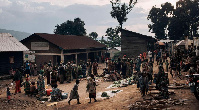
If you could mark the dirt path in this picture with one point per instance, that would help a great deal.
(122, 100)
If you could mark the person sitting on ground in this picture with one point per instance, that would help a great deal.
(26, 86)
(33, 90)
(56, 93)
(74, 93)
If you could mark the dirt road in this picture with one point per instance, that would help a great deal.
(122, 100)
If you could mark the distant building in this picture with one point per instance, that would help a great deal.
(133, 44)
(11, 53)
(113, 51)
(182, 44)
(63, 48)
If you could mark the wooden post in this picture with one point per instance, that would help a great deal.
(76, 57)
(87, 56)
(62, 56)
(186, 42)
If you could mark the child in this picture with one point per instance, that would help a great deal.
(33, 90)
(74, 93)
(8, 94)
(27, 86)
(91, 88)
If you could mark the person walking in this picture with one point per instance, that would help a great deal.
(74, 93)
(91, 88)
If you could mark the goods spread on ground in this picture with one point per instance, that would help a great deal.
(107, 94)
(123, 83)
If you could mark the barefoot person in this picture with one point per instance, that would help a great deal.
(74, 93)
(91, 88)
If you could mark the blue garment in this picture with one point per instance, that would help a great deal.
(159, 54)
(28, 66)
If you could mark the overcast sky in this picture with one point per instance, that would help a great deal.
(41, 16)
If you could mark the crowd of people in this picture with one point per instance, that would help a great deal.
(141, 67)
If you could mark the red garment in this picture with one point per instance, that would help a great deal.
(144, 54)
(17, 87)
(155, 51)
(8, 97)
(181, 63)
(141, 56)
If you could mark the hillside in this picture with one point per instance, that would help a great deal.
(17, 34)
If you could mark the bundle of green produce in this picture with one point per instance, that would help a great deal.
(115, 91)
(117, 82)
(104, 94)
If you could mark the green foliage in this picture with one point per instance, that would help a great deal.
(103, 41)
(104, 94)
(93, 35)
(185, 20)
(120, 11)
(180, 22)
(114, 39)
(160, 19)
(75, 27)
(116, 55)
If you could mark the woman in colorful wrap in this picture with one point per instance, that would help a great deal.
(91, 88)
(41, 86)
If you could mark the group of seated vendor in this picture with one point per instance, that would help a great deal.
(56, 93)
(30, 88)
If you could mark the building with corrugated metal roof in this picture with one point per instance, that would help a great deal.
(11, 53)
(63, 48)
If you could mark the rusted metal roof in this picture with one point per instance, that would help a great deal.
(128, 33)
(183, 42)
(10, 43)
(71, 41)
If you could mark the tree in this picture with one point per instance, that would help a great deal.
(185, 21)
(102, 40)
(160, 19)
(119, 11)
(114, 39)
(180, 22)
(93, 35)
(75, 27)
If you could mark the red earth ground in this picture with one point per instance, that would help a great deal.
(122, 100)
